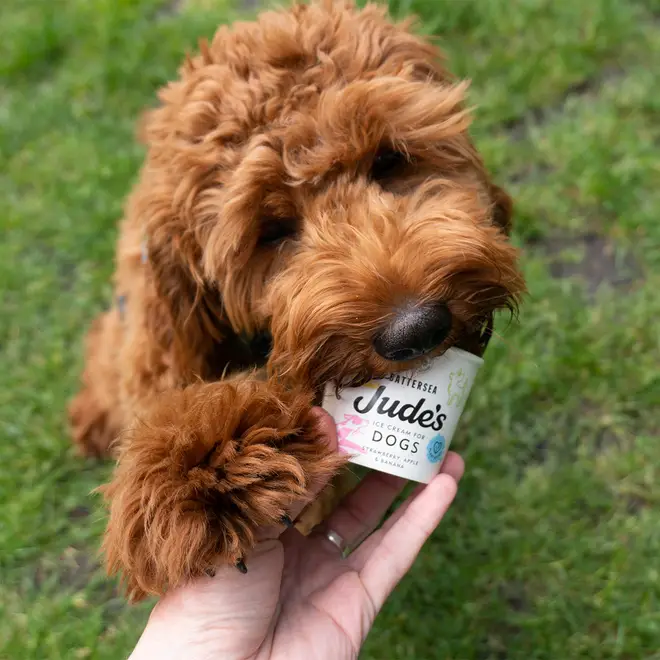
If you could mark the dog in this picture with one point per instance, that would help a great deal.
(311, 210)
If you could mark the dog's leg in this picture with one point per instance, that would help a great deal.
(93, 413)
(204, 468)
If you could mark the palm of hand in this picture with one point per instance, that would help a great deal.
(324, 603)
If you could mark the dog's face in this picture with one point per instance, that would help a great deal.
(315, 169)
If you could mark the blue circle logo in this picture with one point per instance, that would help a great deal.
(435, 450)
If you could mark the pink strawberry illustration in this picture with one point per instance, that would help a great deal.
(350, 425)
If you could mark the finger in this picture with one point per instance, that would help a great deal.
(400, 544)
(362, 510)
(326, 425)
(453, 465)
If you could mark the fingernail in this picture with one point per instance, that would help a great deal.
(240, 565)
(286, 521)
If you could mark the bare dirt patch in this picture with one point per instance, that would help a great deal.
(600, 262)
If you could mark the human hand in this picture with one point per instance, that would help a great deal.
(301, 598)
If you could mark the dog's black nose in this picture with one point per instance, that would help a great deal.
(414, 331)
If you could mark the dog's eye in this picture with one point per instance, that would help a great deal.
(387, 164)
(275, 230)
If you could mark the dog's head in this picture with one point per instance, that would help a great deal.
(314, 168)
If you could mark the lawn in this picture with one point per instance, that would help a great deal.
(553, 547)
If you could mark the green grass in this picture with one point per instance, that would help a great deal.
(552, 548)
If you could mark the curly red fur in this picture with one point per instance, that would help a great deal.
(274, 126)
(213, 462)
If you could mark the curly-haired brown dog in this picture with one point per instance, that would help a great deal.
(309, 178)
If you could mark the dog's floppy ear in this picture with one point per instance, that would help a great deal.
(184, 310)
(502, 208)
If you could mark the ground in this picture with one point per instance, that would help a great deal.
(551, 550)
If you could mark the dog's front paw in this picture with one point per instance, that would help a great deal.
(197, 478)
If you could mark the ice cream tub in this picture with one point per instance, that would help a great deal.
(403, 423)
